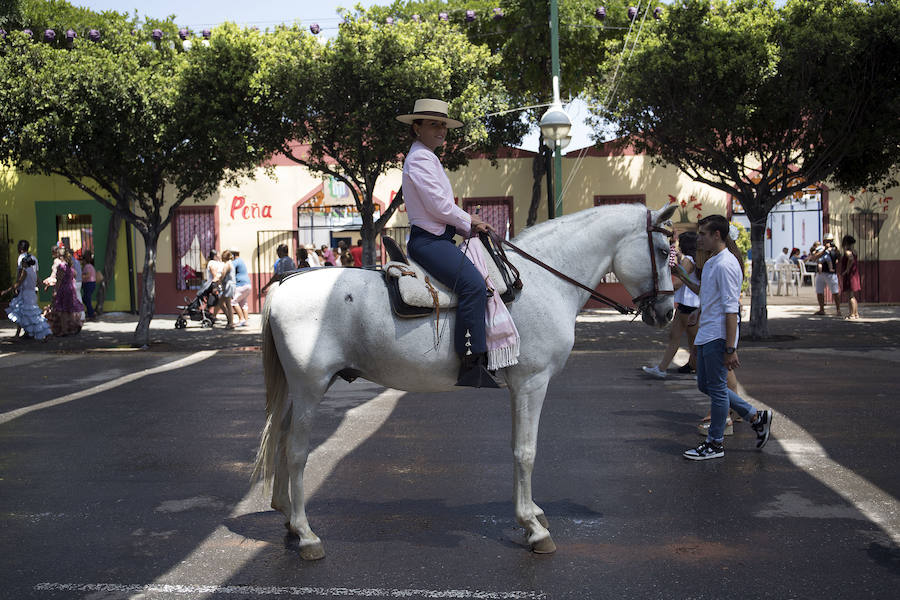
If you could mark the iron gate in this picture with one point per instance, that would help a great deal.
(865, 227)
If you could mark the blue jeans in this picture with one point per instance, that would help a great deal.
(712, 380)
(87, 293)
(438, 255)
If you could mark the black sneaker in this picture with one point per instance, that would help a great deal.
(686, 368)
(763, 426)
(705, 451)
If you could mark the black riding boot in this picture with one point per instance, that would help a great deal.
(473, 372)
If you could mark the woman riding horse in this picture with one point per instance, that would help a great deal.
(435, 218)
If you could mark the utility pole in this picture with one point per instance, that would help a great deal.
(555, 123)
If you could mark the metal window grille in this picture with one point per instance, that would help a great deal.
(267, 242)
(75, 231)
(497, 212)
(194, 231)
(865, 227)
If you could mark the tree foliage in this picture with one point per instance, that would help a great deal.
(341, 100)
(760, 102)
(138, 125)
(521, 41)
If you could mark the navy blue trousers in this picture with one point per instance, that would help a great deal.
(446, 263)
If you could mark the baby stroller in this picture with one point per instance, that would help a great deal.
(199, 308)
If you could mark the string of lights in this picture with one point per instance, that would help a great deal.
(317, 27)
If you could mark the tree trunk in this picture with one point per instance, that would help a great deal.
(538, 169)
(367, 233)
(759, 315)
(148, 290)
(109, 259)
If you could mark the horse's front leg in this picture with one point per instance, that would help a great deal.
(311, 547)
(527, 401)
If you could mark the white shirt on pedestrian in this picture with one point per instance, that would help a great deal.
(720, 294)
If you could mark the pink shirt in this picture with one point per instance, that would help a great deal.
(428, 195)
(89, 273)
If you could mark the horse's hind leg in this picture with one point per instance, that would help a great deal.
(297, 450)
(527, 401)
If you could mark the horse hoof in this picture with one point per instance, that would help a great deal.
(542, 519)
(314, 551)
(544, 546)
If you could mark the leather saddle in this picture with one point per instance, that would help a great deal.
(414, 293)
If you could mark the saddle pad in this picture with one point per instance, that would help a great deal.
(415, 292)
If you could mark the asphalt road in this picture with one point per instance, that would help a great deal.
(119, 482)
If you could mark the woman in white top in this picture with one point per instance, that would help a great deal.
(227, 281)
(434, 220)
(23, 310)
(687, 301)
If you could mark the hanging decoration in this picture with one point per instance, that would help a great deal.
(468, 16)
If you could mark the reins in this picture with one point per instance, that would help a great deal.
(594, 294)
(640, 301)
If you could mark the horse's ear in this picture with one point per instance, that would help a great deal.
(664, 214)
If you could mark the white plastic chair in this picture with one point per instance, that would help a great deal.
(788, 275)
(771, 275)
(804, 273)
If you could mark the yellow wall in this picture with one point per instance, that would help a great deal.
(19, 195)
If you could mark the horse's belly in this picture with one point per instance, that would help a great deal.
(337, 320)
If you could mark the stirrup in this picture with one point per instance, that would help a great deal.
(473, 373)
(477, 377)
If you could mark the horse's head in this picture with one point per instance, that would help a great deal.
(641, 263)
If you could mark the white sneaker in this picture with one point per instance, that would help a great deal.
(242, 324)
(654, 372)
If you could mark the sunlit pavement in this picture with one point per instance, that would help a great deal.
(125, 474)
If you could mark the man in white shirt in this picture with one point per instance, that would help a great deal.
(717, 339)
(782, 269)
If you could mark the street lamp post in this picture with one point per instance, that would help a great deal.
(555, 124)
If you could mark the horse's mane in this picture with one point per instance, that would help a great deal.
(548, 228)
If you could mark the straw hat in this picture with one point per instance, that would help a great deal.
(829, 236)
(429, 108)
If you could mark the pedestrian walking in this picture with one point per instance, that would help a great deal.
(23, 309)
(65, 311)
(849, 268)
(687, 301)
(242, 289)
(283, 265)
(717, 339)
(826, 257)
(88, 283)
(227, 283)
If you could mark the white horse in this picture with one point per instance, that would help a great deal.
(337, 322)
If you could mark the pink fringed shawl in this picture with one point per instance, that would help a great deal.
(502, 335)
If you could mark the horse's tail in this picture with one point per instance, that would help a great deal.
(277, 407)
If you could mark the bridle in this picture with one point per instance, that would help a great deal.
(645, 299)
(642, 302)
